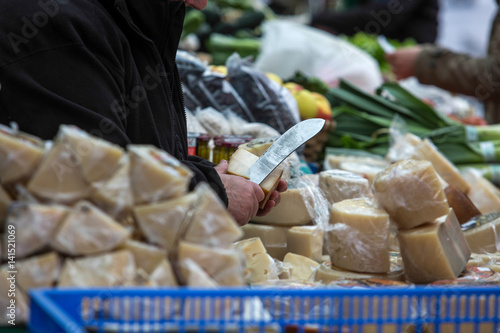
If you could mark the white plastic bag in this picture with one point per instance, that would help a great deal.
(288, 47)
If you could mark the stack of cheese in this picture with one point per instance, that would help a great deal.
(84, 212)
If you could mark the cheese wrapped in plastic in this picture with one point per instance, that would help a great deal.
(482, 192)
(411, 192)
(114, 195)
(306, 241)
(156, 175)
(210, 223)
(338, 185)
(225, 266)
(259, 266)
(163, 275)
(165, 222)
(483, 233)
(35, 225)
(327, 273)
(106, 270)
(196, 276)
(359, 236)
(38, 272)
(87, 230)
(19, 156)
(146, 256)
(303, 268)
(434, 251)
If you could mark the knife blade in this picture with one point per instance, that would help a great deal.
(285, 145)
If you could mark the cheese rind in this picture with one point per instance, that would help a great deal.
(434, 251)
(359, 237)
(338, 185)
(411, 192)
(306, 241)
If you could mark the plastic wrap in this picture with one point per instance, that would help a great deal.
(303, 268)
(484, 195)
(163, 275)
(35, 226)
(87, 230)
(327, 273)
(156, 175)
(146, 256)
(268, 102)
(106, 270)
(214, 122)
(483, 233)
(424, 203)
(338, 185)
(38, 272)
(359, 236)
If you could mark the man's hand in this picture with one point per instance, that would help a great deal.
(403, 61)
(244, 196)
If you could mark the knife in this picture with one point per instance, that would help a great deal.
(285, 145)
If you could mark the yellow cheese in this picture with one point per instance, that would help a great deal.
(163, 275)
(434, 251)
(156, 175)
(359, 237)
(225, 266)
(59, 177)
(276, 251)
(251, 247)
(165, 222)
(269, 235)
(259, 266)
(338, 185)
(411, 192)
(114, 195)
(327, 273)
(484, 237)
(38, 272)
(87, 230)
(98, 159)
(292, 209)
(306, 241)
(147, 257)
(35, 226)
(303, 267)
(106, 270)
(18, 158)
(366, 170)
(482, 192)
(5, 201)
(211, 223)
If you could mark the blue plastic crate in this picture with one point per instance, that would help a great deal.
(377, 310)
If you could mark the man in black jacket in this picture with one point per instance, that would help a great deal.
(108, 67)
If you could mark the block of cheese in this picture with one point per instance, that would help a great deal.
(38, 272)
(463, 207)
(366, 170)
(18, 157)
(98, 159)
(87, 230)
(58, 177)
(239, 165)
(306, 241)
(258, 146)
(426, 200)
(211, 224)
(196, 276)
(155, 175)
(19, 312)
(292, 209)
(163, 274)
(338, 185)
(268, 234)
(163, 223)
(35, 225)
(105, 270)
(327, 273)
(303, 268)
(114, 195)
(259, 266)
(359, 236)
(147, 257)
(5, 201)
(482, 192)
(484, 236)
(225, 266)
(434, 251)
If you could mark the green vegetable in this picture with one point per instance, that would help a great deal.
(192, 22)
(310, 83)
(222, 46)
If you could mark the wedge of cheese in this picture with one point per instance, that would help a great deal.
(19, 157)
(239, 165)
(164, 223)
(327, 273)
(98, 159)
(114, 195)
(426, 200)
(484, 236)
(59, 178)
(211, 224)
(338, 185)
(306, 241)
(106, 270)
(156, 175)
(482, 192)
(35, 226)
(87, 230)
(359, 237)
(163, 275)
(147, 257)
(303, 268)
(225, 266)
(259, 266)
(434, 251)
(38, 272)
(196, 276)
